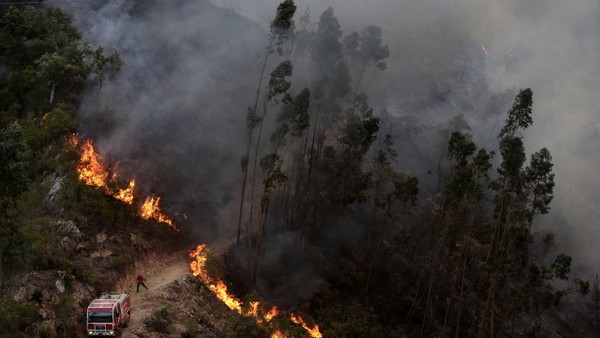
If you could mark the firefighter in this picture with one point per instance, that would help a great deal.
(140, 281)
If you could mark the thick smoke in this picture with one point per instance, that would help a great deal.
(191, 70)
(439, 68)
(177, 108)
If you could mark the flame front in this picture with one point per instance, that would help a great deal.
(94, 173)
(126, 195)
(272, 313)
(313, 332)
(90, 168)
(218, 287)
(278, 334)
(151, 210)
(198, 267)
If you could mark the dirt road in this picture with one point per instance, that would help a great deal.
(159, 274)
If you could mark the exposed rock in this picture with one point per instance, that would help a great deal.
(68, 228)
(60, 282)
(56, 185)
(60, 285)
(101, 237)
(101, 254)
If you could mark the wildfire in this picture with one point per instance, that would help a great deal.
(198, 267)
(126, 195)
(313, 332)
(218, 287)
(278, 334)
(272, 313)
(93, 172)
(151, 210)
(90, 168)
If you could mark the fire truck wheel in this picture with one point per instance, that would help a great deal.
(126, 324)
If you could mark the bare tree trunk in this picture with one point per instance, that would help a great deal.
(250, 133)
(460, 267)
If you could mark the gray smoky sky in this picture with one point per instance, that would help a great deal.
(551, 46)
(191, 70)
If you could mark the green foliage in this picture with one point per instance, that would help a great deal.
(460, 148)
(16, 157)
(407, 190)
(327, 53)
(56, 125)
(356, 321)
(47, 60)
(519, 116)
(161, 320)
(215, 265)
(278, 85)
(295, 116)
(65, 321)
(85, 274)
(540, 181)
(365, 48)
(562, 266)
(239, 326)
(39, 248)
(15, 317)
(283, 19)
(92, 204)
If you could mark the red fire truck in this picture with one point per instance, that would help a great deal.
(107, 314)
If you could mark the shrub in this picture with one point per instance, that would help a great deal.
(161, 320)
(15, 316)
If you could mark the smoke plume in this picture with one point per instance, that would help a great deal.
(178, 106)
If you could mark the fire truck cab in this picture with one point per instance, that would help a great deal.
(108, 314)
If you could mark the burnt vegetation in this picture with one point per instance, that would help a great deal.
(329, 222)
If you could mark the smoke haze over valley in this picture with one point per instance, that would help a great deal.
(191, 69)
(335, 168)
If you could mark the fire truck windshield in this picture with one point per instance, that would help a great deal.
(100, 317)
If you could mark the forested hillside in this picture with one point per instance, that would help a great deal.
(62, 242)
(266, 140)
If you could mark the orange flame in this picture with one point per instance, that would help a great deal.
(253, 312)
(151, 210)
(198, 269)
(94, 173)
(90, 168)
(272, 313)
(314, 332)
(126, 195)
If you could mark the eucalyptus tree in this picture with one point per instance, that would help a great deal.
(278, 34)
(366, 54)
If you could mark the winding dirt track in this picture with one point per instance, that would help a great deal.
(158, 275)
(160, 271)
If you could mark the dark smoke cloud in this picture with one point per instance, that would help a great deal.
(191, 70)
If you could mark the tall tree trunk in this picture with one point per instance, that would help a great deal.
(250, 134)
